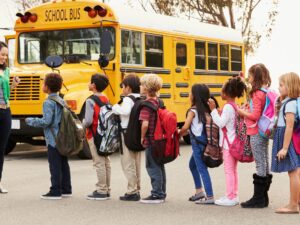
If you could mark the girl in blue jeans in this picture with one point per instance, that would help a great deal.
(195, 126)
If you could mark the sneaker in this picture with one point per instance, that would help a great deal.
(97, 196)
(152, 199)
(66, 195)
(226, 202)
(197, 196)
(205, 201)
(130, 197)
(3, 190)
(51, 196)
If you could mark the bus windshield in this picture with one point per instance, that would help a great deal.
(79, 44)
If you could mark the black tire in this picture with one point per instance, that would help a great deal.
(187, 139)
(11, 144)
(85, 153)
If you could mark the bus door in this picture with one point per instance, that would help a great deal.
(182, 71)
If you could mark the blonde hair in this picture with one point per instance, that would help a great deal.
(152, 83)
(292, 82)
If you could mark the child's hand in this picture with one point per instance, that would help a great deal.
(142, 141)
(282, 154)
(211, 103)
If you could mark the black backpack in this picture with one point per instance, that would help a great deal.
(132, 136)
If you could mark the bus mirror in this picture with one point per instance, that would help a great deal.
(105, 42)
(54, 61)
(103, 61)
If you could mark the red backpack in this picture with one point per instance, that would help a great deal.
(165, 144)
(240, 148)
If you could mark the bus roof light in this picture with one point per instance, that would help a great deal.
(101, 11)
(33, 17)
(91, 12)
(24, 18)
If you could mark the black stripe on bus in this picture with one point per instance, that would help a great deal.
(182, 85)
(166, 85)
(215, 73)
(215, 94)
(184, 94)
(145, 70)
(165, 95)
(214, 85)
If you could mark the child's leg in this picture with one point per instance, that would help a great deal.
(229, 168)
(294, 190)
(54, 159)
(66, 176)
(236, 181)
(202, 168)
(138, 159)
(107, 173)
(196, 175)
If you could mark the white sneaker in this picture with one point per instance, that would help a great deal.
(3, 190)
(226, 202)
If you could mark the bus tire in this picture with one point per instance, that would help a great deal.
(85, 153)
(187, 139)
(11, 144)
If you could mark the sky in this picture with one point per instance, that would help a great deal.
(280, 54)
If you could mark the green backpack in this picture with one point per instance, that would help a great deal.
(69, 140)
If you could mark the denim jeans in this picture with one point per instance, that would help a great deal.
(198, 167)
(157, 175)
(5, 126)
(60, 172)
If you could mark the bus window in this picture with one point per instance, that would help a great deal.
(212, 56)
(82, 44)
(200, 56)
(181, 54)
(11, 49)
(224, 57)
(236, 58)
(131, 47)
(154, 50)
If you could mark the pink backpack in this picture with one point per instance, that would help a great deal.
(240, 148)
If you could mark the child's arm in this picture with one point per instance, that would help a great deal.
(221, 120)
(144, 129)
(89, 113)
(123, 109)
(187, 124)
(290, 119)
(46, 120)
(256, 109)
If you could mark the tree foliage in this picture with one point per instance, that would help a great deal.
(23, 5)
(236, 14)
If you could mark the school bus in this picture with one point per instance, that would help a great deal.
(182, 52)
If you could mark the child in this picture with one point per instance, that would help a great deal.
(195, 123)
(259, 77)
(284, 157)
(58, 164)
(150, 85)
(130, 160)
(101, 163)
(232, 89)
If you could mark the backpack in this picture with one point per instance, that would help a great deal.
(296, 131)
(165, 143)
(69, 140)
(240, 148)
(107, 138)
(212, 154)
(266, 122)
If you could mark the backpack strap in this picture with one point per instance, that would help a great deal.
(291, 99)
(97, 100)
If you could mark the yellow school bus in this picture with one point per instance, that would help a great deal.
(181, 52)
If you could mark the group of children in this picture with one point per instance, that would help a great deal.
(284, 157)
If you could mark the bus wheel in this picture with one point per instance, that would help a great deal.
(187, 139)
(85, 153)
(11, 144)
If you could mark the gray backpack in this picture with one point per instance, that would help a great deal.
(69, 140)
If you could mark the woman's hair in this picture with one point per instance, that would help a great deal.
(152, 83)
(261, 76)
(132, 81)
(234, 87)
(292, 82)
(54, 82)
(3, 45)
(100, 80)
(201, 94)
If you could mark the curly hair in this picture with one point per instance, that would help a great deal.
(53, 81)
(234, 87)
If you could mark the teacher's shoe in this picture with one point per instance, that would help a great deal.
(2, 190)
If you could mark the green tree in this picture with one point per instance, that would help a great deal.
(236, 14)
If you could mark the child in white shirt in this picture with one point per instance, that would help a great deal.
(233, 88)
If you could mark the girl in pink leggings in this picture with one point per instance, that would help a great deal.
(232, 89)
